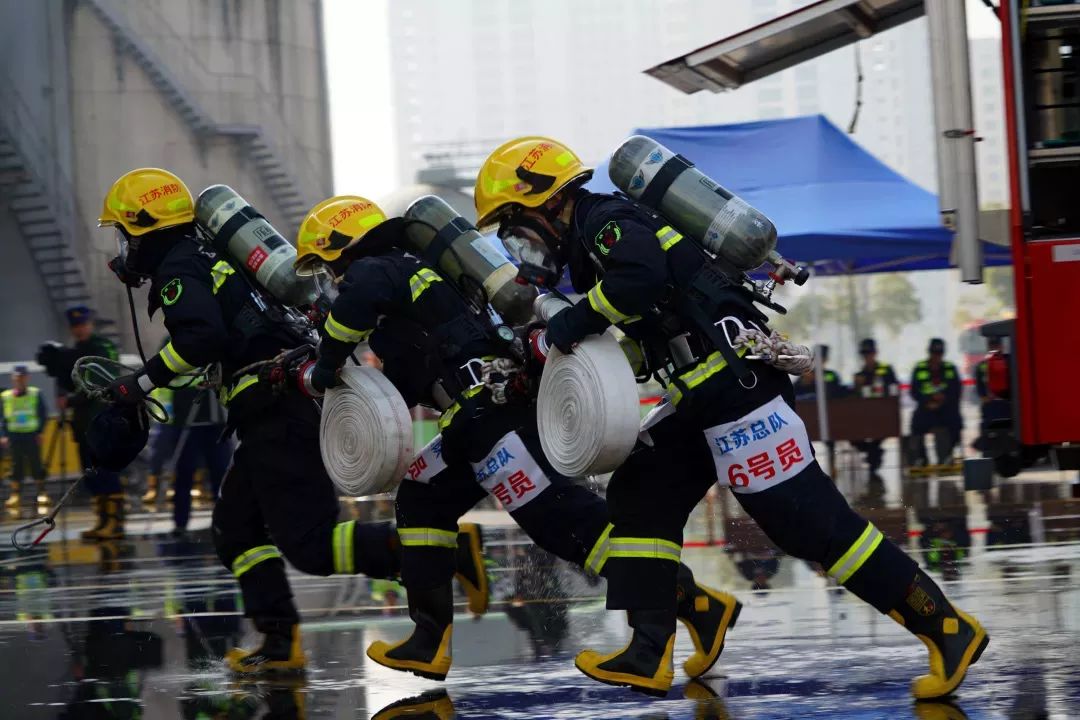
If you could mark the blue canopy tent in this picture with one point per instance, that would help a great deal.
(834, 204)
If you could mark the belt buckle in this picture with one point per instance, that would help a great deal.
(475, 369)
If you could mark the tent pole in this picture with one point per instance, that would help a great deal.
(819, 376)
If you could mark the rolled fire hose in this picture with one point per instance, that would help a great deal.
(587, 409)
(366, 434)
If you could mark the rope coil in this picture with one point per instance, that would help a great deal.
(587, 409)
(366, 434)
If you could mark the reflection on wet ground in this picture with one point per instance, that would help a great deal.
(138, 629)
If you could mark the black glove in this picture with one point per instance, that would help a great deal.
(125, 390)
(323, 377)
(559, 332)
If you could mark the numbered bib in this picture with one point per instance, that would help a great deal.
(429, 462)
(762, 449)
(510, 473)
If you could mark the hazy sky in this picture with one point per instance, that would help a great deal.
(361, 116)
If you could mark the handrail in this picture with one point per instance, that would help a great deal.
(44, 167)
(142, 19)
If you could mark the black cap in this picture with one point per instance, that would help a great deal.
(78, 314)
(20, 370)
(867, 345)
(937, 345)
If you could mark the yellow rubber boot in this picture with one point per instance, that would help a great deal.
(707, 614)
(14, 500)
(645, 665)
(97, 504)
(150, 496)
(280, 652)
(113, 528)
(427, 651)
(954, 639)
(432, 705)
(471, 570)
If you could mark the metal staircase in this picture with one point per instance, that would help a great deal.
(44, 210)
(256, 140)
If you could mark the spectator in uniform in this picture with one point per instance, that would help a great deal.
(935, 387)
(874, 379)
(21, 424)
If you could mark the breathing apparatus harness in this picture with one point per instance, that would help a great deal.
(503, 375)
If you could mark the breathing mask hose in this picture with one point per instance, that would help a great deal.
(135, 324)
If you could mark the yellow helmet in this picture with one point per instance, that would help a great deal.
(526, 171)
(147, 199)
(333, 226)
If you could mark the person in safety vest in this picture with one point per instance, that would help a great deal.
(20, 433)
(935, 387)
(277, 502)
(724, 418)
(441, 352)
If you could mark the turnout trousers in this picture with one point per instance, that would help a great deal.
(501, 456)
(767, 461)
(277, 503)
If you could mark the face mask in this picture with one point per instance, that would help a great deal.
(123, 265)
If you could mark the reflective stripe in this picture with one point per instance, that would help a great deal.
(448, 414)
(649, 548)
(668, 236)
(344, 562)
(594, 563)
(421, 281)
(859, 552)
(713, 364)
(254, 556)
(174, 361)
(220, 273)
(599, 302)
(344, 333)
(427, 537)
(245, 381)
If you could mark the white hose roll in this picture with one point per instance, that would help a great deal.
(587, 408)
(366, 434)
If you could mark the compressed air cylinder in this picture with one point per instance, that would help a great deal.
(238, 231)
(437, 233)
(695, 204)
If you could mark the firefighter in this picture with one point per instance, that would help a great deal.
(935, 387)
(436, 349)
(20, 432)
(277, 501)
(873, 380)
(104, 485)
(724, 418)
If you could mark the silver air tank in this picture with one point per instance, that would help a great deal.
(239, 232)
(437, 233)
(694, 203)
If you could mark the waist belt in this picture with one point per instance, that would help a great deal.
(689, 379)
(456, 383)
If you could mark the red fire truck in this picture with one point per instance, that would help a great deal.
(1039, 368)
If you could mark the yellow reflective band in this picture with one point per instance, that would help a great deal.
(496, 186)
(565, 159)
(599, 302)
(645, 548)
(254, 556)
(713, 364)
(667, 236)
(174, 361)
(427, 537)
(245, 381)
(421, 281)
(371, 221)
(598, 556)
(344, 333)
(448, 414)
(344, 562)
(220, 273)
(859, 552)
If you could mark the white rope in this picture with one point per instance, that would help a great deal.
(587, 409)
(366, 434)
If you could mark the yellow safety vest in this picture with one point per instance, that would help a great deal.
(21, 412)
